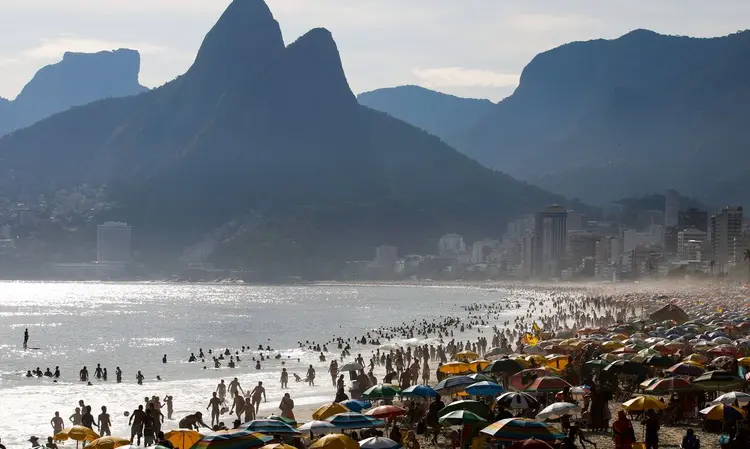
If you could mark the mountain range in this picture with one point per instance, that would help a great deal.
(607, 119)
(78, 79)
(258, 128)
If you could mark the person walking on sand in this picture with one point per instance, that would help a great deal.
(104, 423)
(256, 394)
(238, 405)
(311, 376)
(214, 404)
(249, 409)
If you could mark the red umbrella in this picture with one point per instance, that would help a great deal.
(669, 385)
(385, 411)
(723, 350)
(523, 379)
(548, 384)
(531, 443)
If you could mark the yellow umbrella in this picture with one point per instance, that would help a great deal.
(335, 441)
(108, 443)
(612, 345)
(466, 356)
(719, 412)
(556, 361)
(643, 403)
(329, 410)
(77, 433)
(455, 368)
(478, 365)
(618, 337)
(183, 438)
(744, 361)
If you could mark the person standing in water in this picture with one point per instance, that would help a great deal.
(284, 378)
(118, 374)
(170, 405)
(104, 422)
(221, 390)
(334, 370)
(57, 423)
(311, 376)
(214, 404)
(235, 388)
(26, 338)
(75, 418)
(139, 378)
(238, 405)
(136, 425)
(256, 395)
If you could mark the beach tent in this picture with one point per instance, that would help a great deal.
(669, 312)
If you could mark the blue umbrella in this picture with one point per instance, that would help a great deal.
(354, 421)
(454, 384)
(270, 426)
(485, 389)
(421, 391)
(355, 405)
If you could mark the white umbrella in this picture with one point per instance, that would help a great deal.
(579, 392)
(557, 410)
(318, 427)
(379, 443)
(516, 400)
(729, 398)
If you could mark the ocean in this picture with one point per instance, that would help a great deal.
(132, 325)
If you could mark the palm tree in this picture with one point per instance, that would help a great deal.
(747, 258)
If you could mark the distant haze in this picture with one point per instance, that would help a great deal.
(471, 48)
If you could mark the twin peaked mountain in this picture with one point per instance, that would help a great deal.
(258, 127)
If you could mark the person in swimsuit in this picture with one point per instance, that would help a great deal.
(256, 394)
(221, 390)
(214, 404)
(57, 423)
(75, 418)
(104, 423)
(194, 422)
(136, 425)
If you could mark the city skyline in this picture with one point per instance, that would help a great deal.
(474, 49)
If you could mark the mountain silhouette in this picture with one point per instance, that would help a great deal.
(78, 79)
(606, 119)
(257, 128)
(437, 113)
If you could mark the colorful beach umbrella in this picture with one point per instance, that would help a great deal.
(460, 418)
(466, 356)
(328, 410)
(379, 443)
(558, 409)
(669, 385)
(183, 438)
(478, 365)
(721, 412)
(292, 422)
(385, 412)
(420, 391)
(719, 381)
(454, 384)
(484, 389)
(516, 400)
(381, 391)
(728, 398)
(353, 420)
(625, 367)
(356, 405)
(476, 407)
(335, 441)
(270, 426)
(455, 368)
(108, 442)
(318, 427)
(514, 429)
(548, 384)
(685, 369)
(239, 439)
(643, 403)
(76, 433)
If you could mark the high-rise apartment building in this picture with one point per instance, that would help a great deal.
(113, 243)
(726, 231)
(671, 207)
(550, 228)
(693, 218)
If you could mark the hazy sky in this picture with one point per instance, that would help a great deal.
(467, 47)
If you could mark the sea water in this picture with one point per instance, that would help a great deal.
(132, 325)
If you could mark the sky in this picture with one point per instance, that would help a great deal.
(472, 48)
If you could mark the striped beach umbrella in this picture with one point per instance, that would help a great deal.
(514, 429)
(721, 412)
(353, 420)
(318, 427)
(728, 398)
(379, 443)
(548, 384)
(381, 391)
(270, 426)
(669, 385)
(239, 439)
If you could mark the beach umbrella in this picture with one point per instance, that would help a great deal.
(284, 419)
(658, 361)
(496, 351)
(685, 369)
(721, 412)
(643, 403)
(648, 382)
(719, 381)
(236, 439)
(353, 420)
(356, 405)
(484, 389)
(385, 411)
(558, 409)
(669, 385)
(318, 427)
(76, 433)
(531, 443)
(723, 362)
(548, 384)
(465, 356)
(596, 364)
(420, 391)
(278, 446)
(696, 359)
(109, 442)
(625, 367)
(479, 377)
(476, 407)
(507, 366)
(664, 349)
(478, 365)
(269, 426)
(516, 400)
(744, 361)
(514, 429)
(728, 398)
(183, 438)
(381, 391)
(454, 384)
(460, 418)
(523, 379)
(335, 441)
(613, 345)
(328, 410)
(379, 443)
(351, 367)
(580, 391)
(455, 368)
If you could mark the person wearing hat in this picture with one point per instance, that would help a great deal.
(34, 442)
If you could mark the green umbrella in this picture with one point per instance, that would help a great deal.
(283, 419)
(381, 391)
(460, 418)
(475, 407)
(480, 378)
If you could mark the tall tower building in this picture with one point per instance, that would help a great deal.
(113, 243)
(550, 228)
(726, 231)
(671, 207)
